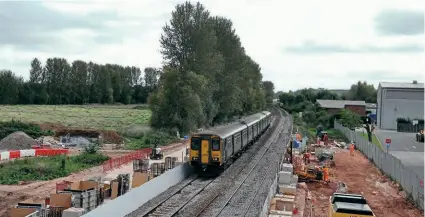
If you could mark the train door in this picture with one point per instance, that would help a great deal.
(205, 150)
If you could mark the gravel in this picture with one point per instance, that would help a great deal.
(17, 141)
(156, 201)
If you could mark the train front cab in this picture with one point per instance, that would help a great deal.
(205, 154)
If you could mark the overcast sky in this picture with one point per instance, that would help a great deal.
(330, 44)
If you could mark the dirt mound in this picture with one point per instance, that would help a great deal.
(111, 137)
(17, 141)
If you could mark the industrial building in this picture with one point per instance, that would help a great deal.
(334, 106)
(399, 100)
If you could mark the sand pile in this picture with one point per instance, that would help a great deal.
(17, 141)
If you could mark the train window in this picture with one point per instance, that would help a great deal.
(195, 144)
(216, 144)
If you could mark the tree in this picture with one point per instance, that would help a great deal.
(9, 87)
(350, 119)
(151, 78)
(36, 72)
(200, 49)
(362, 91)
(269, 91)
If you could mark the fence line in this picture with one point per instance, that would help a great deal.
(117, 162)
(411, 182)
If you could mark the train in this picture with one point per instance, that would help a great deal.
(213, 150)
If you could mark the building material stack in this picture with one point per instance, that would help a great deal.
(282, 204)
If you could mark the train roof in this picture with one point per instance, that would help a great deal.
(229, 129)
(252, 119)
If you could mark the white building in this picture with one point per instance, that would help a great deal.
(399, 100)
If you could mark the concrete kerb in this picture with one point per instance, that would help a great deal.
(135, 198)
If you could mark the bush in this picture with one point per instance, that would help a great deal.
(32, 130)
(150, 139)
(404, 121)
(136, 131)
(350, 119)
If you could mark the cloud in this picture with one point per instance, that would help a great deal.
(128, 32)
(30, 24)
(33, 25)
(400, 22)
(310, 47)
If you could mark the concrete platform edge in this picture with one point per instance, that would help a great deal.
(135, 198)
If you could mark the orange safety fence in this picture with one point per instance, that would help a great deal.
(117, 162)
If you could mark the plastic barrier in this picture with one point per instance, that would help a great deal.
(14, 154)
(28, 153)
(117, 162)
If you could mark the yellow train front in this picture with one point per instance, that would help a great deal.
(213, 150)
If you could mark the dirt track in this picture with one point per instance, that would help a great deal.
(37, 191)
(362, 177)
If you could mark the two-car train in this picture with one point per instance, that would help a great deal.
(212, 150)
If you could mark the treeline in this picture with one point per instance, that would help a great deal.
(60, 82)
(208, 78)
(304, 101)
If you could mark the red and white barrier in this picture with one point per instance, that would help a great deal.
(8, 155)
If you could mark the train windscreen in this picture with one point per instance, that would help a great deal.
(195, 143)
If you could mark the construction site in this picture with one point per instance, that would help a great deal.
(284, 174)
(314, 176)
(84, 190)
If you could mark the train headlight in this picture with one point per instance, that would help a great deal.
(194, 158)
(215, 158)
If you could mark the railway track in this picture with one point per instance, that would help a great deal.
(196, 196)
(241, 199)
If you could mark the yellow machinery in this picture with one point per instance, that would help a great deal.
(311, 173)
(349, 205)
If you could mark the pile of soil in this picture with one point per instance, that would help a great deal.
(17, 141)
(111, 137)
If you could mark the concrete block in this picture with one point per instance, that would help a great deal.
(285, 204)
(287, 168)
(285, 196)
(73, 212)
(284, 178)
(288, 189)
(277, 213)
(294, 179)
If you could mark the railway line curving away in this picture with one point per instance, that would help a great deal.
(241, 190)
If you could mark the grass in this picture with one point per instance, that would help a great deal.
(106, 117)
(375, 140)
(47, 168)
(149, 140)
(333, 134)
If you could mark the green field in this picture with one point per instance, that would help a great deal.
(114, 117)
(47, 168)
